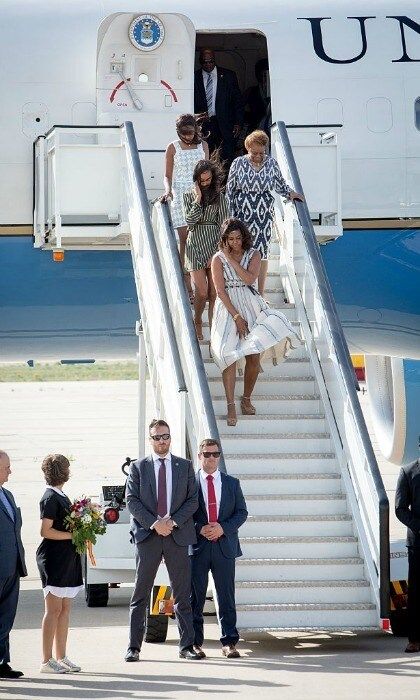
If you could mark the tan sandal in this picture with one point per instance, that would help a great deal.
(246, 406)
(232, 421)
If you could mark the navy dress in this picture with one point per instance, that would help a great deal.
(58, 562)
(249, 194)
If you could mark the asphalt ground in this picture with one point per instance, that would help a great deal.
(94, 423)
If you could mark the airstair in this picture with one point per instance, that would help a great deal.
(315, 545)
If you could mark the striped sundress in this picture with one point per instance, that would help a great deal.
(203, 230)
(269, 329)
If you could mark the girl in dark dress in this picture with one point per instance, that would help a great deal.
(59, 566)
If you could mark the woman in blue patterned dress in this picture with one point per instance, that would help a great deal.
(249, 193)
(181, 157)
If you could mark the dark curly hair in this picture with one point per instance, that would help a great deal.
(188, 121)
(56, 469)
(233, 224)
(211, 194)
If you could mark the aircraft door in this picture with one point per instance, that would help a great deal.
(145, 74)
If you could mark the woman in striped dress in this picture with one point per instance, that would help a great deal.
(244, 326)
(205, 208)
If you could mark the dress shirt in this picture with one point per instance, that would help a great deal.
(213, 73)
(168, 465)
(217, 482)
(7, 504)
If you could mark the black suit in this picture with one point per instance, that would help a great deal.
(219, 558)
(12, 567)
(407, 510)
(228, 107)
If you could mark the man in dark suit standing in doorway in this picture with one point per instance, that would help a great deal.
(407, 510)
(12, 566)
(162, 498)
(216, 93)
(221, 512)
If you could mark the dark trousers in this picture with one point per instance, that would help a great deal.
(215, 140)
(9, 594)
(210, 558)
(413, 602)
(148, 557)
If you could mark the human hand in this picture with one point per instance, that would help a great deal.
(197, 191)
(166, 197)
(242, 327)
(163, 528)
(215, 531)
(296, 195)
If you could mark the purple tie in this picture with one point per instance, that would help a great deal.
(162, 506)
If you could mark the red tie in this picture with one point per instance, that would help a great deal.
(162, 505)
(211, 499)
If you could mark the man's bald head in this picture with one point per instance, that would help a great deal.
(4, 467)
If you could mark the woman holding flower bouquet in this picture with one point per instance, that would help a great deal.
(59, 566)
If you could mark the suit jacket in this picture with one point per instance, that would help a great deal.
(229, 105)
(407, 502)
(232, 514)
(12, 554)
(141, 494)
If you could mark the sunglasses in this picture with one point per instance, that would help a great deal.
(209, 60)
(207, 455)
(157, 438)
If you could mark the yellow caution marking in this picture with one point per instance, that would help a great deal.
(159, 593)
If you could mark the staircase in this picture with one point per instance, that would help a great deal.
(316, 542)
(301, 565)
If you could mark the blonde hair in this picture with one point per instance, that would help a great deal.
(258, 136)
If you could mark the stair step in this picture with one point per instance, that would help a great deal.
(296, 442)
(291, 367)
(248, 592)
(297, 504)
(276, 405)
(302, 547)
(284, 462)
(266, 424)
(312, 569)
(283, 385)
(298, 525)
(308, 614)
(315, 483)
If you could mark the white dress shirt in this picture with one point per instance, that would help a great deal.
(211, 112)
(217, 482)
(168, 465)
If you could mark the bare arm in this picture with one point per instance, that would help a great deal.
(251, 274)
(219, 283)
(169, 171)
(50, 533)
(206, 150)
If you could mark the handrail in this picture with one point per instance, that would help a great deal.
(343, 356)
(162, 209)
(134, 161)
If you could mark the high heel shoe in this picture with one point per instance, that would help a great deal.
(232, 420)
(246, 406)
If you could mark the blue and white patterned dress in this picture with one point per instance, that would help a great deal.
(269, 329)
(250, 199)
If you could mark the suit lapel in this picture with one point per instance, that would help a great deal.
(4, 509)
(201, 500)
(223, 495)
(151, 474)
(175, 476)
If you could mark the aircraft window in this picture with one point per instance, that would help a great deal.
(379, 114)
(417, 113)
(143, 78)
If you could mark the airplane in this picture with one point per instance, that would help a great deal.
(351, 65)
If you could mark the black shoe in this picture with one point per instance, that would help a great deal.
(189, 653)
(132, 654)
(7, 672)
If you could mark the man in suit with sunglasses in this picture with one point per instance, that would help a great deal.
(221, 512)
(162, 499)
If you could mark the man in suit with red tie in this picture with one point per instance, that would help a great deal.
(162, 499)
(12, 566)
(221, 512)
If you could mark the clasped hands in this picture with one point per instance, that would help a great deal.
(212, 531)
(164, 526)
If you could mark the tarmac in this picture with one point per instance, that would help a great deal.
(95, 424)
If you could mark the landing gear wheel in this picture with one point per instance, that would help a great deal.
(156, 628)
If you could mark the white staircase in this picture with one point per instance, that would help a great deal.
(316, 543)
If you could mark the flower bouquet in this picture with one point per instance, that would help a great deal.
(85, 522)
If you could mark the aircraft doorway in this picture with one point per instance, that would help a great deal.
(244, 53)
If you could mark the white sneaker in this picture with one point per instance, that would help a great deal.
(52, 666)
(71, 667)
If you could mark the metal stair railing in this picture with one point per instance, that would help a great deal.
(330, 359)
(201, 421)
(163, 358)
